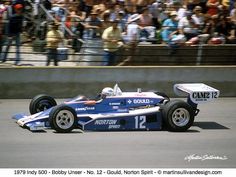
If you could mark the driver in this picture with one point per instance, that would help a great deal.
(107, 91)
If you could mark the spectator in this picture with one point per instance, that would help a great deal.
(3, 8)
(140, 4)
(89, 6)
(224, 28)
(188, 27)
(123, 20)
(210, 26)
(169, 27)
(212, 7)
(198, 17)
(145, 18)
(112, 40)
(233, 14)
(226, 4)
(54, 37)
(191, 4)
(155, 10)
(106, 20)
(59, 7)
(146, 24)
(133, 30)
(203, 5)
(113, 11)
(13, 28)
(93, 25)
(131, 37)
(120, 5)
(77, 21)
(181, 11)
(130, 6)
(170, 33)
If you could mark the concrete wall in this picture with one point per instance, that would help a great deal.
(26, 82)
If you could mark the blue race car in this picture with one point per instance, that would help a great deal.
(117, 110)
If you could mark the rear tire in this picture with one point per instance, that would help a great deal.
(40, 103)
(63, 118)
(178, 116)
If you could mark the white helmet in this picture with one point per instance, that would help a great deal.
(107, 91)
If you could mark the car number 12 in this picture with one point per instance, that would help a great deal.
(139, 122)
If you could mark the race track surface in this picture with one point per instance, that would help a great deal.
(212, 138)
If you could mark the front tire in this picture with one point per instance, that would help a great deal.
(178, 116)
(40, 103)
(63, 119)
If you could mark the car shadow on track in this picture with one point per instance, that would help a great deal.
(210, 126)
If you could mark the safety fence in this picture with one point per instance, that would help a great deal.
(91, 54)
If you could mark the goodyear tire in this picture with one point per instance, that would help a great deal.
(178, 116)
(63, 118)
(40, 103)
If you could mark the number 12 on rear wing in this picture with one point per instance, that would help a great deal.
(197, 92)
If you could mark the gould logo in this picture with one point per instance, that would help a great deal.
(138, 101)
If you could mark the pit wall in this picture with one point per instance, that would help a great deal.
(61, 82)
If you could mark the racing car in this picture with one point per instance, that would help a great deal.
(115, 110)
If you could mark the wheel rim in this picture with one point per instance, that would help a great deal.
(65, 119)
(43, 105)
(180, 117)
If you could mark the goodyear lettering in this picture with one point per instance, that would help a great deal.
(85, 108)
(138, 101)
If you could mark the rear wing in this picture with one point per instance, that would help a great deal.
(197, 92)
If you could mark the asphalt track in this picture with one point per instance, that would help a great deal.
(213, 136)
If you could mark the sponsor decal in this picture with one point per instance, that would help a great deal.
(198, 97)
(113, 126)
(105, 122)
(85, 109)
(115, 107)
(140, 94)
(129, 101)
(138, 101)
(114, 104)
(121, 110)
(111, 123)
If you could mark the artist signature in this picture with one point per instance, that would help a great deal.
(204, 157)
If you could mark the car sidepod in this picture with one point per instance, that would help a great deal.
(140, 119)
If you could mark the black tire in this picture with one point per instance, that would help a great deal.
(178, 116)
(40, 103)
(63, 119)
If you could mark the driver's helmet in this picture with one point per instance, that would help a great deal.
(107, 91)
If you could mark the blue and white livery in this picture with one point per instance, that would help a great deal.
(116, 110)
